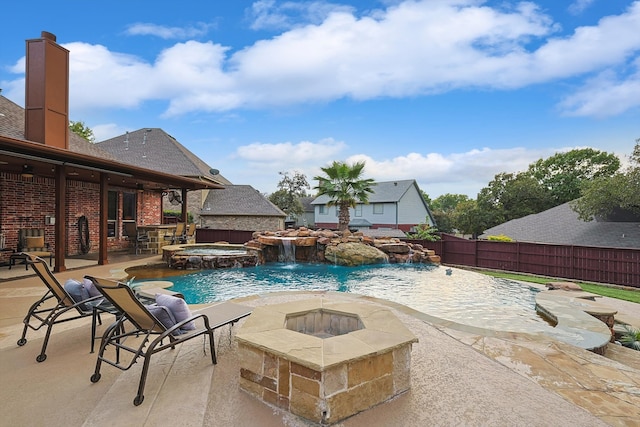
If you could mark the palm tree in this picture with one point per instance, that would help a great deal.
(345, 188)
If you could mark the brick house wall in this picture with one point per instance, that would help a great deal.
(24, 203)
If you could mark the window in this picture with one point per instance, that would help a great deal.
(322, 210)
(358, 210)
(112, 213)
(378, 208)
(129, 206)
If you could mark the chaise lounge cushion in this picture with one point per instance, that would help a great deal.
(179, 309)
(164, 316)
(90, 288)
(77, 291)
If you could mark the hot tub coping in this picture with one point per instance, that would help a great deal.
(265, 329)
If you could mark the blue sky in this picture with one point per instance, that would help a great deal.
(446, 92)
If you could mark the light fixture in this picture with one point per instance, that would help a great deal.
(73, 173)
(27, 171)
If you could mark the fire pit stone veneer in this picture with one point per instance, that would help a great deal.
(324, 360)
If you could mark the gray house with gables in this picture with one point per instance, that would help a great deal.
(394, 205)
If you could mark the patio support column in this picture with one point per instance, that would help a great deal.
(61, 223)
(104, 216)
(185, 217)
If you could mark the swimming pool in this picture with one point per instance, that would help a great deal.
(463, 297)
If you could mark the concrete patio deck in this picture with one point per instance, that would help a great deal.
(459, 375)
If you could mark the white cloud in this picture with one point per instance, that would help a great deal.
(579, 6)
(412, 48)
(148, 29)
(287, 153)
(269, 15)
(106, 131)
(605, 95)
(456, 173)
(438, 173)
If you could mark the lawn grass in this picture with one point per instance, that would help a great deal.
(623, 294)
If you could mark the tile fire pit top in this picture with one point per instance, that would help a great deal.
(266, 329)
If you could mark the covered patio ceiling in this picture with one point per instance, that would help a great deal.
(19, 156)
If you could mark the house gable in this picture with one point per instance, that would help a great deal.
(394, 204)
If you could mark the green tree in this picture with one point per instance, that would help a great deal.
(470, 218)
(563, 174)
(605, 194)
(290, 190)
(81, 129)
(509, 196)
(443, 209)
(345, 188)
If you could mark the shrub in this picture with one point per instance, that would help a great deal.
(631, 337)
(500, 238)
(424, 232)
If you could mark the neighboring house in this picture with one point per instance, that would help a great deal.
(55, 181)
(155, 149)
(306, 219)
(561, 225)
(393, 205)
(240, 207)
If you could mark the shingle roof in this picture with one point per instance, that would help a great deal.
(239, 200)
(306, 203)
(12, 118)
(153, 148)
(561, 225)
(389, 191)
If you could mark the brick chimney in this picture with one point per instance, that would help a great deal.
(47, 92)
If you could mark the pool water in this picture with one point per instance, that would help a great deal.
(211, 251)
(463, 297)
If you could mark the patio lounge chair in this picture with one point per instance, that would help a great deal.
(66, 308)
(142, 327)
(31, 240)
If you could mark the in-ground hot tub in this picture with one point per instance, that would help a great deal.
(324, 360)
(200, 256)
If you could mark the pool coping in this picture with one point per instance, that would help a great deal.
(577, 312)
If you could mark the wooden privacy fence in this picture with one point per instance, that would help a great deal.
(618, 266)
(209, 235)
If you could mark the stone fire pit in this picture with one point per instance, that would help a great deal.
(324, 360)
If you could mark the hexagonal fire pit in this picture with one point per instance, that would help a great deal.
(324, 360)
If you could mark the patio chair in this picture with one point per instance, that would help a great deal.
(31, 240)
(130, 229)
(149, 327)
(177, 235)
(67, 307)
(190, 232)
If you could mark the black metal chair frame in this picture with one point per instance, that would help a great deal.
(147, 330)
(39, 316)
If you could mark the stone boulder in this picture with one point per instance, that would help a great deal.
(565, 286)
(353, 254)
